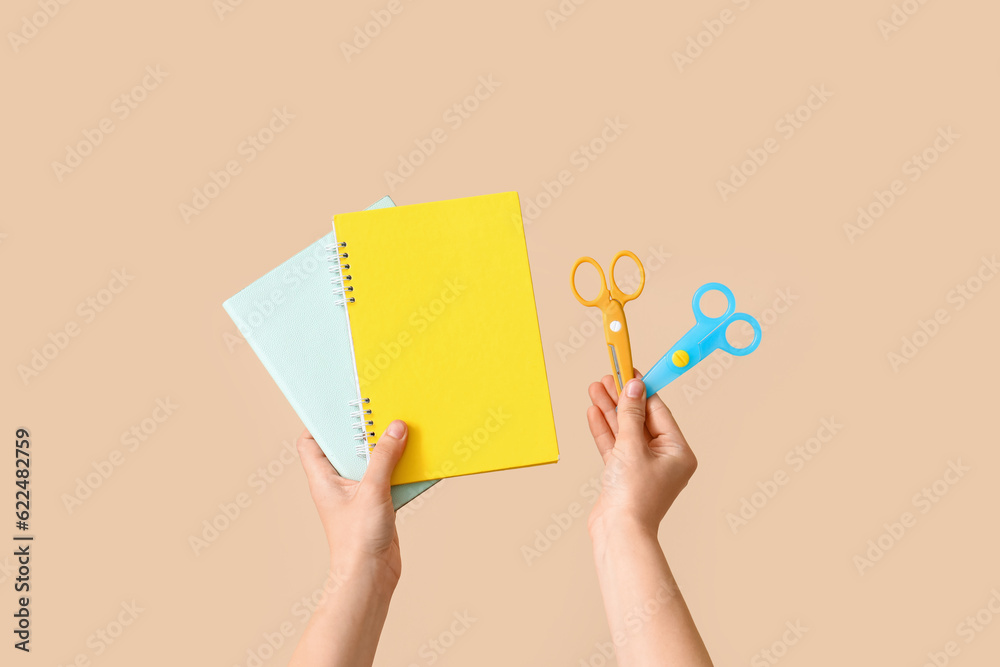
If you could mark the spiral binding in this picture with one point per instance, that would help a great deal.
(340, 279)
(362, 413)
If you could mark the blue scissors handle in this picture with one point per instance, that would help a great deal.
(717, 339)
(700, 315)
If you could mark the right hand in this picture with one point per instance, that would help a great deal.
(647, 461)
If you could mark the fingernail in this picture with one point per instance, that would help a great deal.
(396, 429)
(634, 388)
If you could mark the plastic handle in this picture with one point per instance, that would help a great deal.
(602, 296)
(717, 339)
(616, 291)
(700, 315)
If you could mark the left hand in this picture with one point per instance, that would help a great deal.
(358, 516)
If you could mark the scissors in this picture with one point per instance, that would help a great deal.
(612, 302)
(706, 336)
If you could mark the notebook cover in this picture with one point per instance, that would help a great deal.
(446, 334)
(305, 345)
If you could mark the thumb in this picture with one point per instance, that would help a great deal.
(632, 412)
(386, 455)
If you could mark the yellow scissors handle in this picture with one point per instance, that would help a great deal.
(616, 292)
(602, 296)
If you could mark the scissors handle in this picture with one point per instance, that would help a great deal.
(700, 315)
(717, 339)
(602, 296)
(616, 291)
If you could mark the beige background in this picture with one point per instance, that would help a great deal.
(166, 335)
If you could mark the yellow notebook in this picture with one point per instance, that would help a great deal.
(445, 334)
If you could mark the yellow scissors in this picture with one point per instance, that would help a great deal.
(612, 302)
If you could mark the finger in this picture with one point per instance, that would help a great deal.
(385, 456)
(603, 437)
(609, 384)
(314, 461)
(659, 419)
(599, 397)
(632, 413)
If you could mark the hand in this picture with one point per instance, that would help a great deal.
(646, 465)
(358, 516)
(360, 526)
(647, 462)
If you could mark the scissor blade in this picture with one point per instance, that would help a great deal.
(618, 370)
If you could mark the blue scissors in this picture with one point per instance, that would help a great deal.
(706, 336)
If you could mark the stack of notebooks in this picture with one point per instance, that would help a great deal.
(423, 313)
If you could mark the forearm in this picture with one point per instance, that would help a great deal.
(344, 630)
(649, 621)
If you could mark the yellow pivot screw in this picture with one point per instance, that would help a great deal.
(681, 358)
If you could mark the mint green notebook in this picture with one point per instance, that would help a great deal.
(291, 319)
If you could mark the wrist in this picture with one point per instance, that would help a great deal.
(611, 530)
(365, 572)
